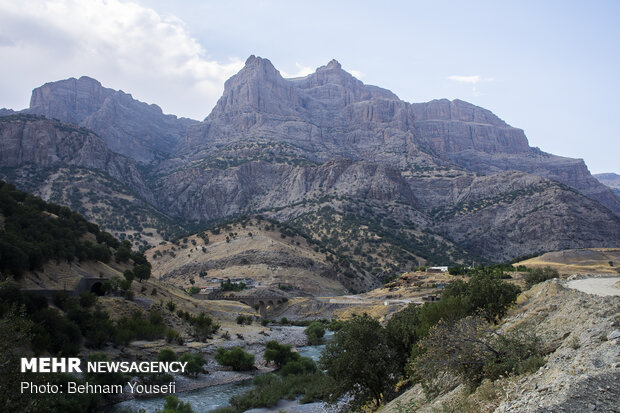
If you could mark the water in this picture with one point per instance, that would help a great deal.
(202, 400)
(213, 397)
(314, 352)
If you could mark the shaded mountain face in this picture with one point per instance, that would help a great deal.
(373, 183)
(331, 113)
(610, 180)
(29, 140)
(128, 126)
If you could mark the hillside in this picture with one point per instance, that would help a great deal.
(580, 261)
(580, 333)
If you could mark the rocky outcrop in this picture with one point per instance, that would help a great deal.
(515, 214)
(128, 126)
(28, 140)
(610, 180)
(207, 194)
(331, 113)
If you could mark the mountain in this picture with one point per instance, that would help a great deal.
(331, 113)
(73, 166)
(129, 127)
(371, 183)
(610, 180)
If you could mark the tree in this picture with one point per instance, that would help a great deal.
(194, 364)
(174, 405)
(470, 349)
(491, 296)
(361, 361)
(538, 275)
(279, 354)
(123, 253)
(485, 294)
(315, 332)
(142, 272)
(236, 358)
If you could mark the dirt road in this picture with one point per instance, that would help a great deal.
(599, 286)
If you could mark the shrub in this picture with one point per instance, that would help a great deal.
(194, 362)
(204, 327)
(315, 332)
(279, 354)
(87, 299)
(236, 358)
(538, 275)
(245, 319)
(166, 354)
(173, 336)
(471, 350)
(303, 365)
(174, 405)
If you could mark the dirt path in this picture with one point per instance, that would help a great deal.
(599, 286)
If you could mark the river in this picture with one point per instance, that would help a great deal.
(212, 397)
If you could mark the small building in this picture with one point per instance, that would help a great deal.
(438, 269)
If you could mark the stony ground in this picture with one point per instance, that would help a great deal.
(582, 369)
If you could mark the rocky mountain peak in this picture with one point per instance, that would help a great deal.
(128, 126)
(333, 64)
(258, 86)
(70, 100)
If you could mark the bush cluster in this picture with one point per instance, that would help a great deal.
(235, 357)
(538, 275)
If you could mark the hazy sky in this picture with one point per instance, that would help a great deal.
(550, 68)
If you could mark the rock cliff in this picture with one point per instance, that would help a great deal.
(437, 181)
(128, 126)
(30, 140)
(330, 113)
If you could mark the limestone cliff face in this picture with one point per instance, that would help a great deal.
(129, 127)
(285, 146)
(331, 113)
(208, 194)
(610, 180)
(27, 140)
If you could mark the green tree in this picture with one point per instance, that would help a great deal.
(236, 358)
(470, 349)
(279, 354)
(315, 332)
(194, 362)
(142, 272)
(174, 405)
(167, 355)
(538, 275)
(361, 361)
(123, 253)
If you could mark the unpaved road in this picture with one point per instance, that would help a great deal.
(599, 286)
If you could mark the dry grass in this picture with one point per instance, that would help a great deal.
(578, 261)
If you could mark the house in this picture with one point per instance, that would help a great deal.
(437, 269)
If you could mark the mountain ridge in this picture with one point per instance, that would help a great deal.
(425, 179)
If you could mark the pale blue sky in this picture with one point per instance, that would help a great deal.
(547, 67)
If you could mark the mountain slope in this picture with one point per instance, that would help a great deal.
(130, 127)
(611, 180)
(72, 166)
(330, 113)
(344, 164)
